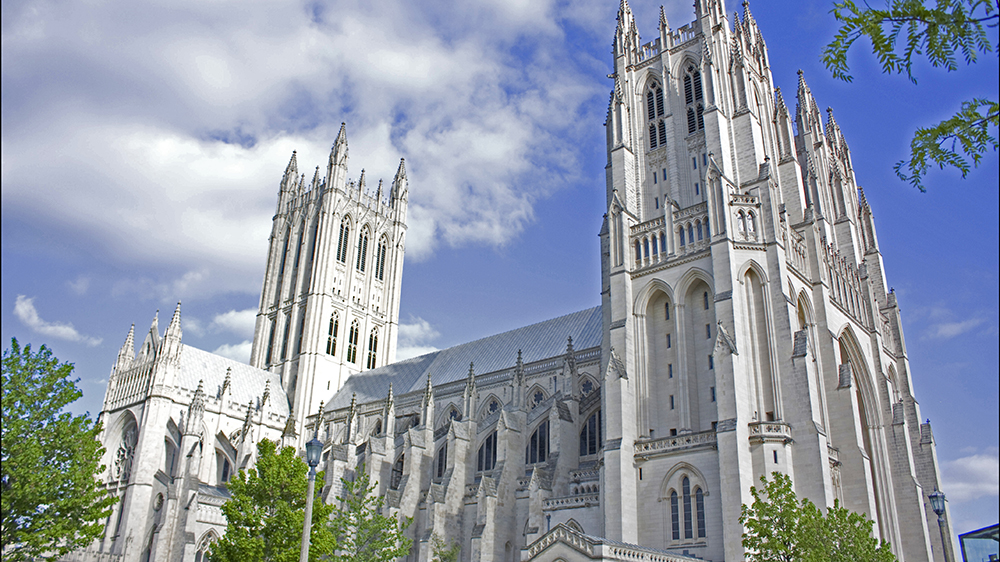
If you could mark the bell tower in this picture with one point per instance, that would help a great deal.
(329, 306)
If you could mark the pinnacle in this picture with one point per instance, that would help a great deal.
(293, 165)
(401, 171)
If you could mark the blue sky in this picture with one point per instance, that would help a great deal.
(143, 144)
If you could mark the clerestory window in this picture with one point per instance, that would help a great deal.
(538, 445)
(487, 457)
(591, 435)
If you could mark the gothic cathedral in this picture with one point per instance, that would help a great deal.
(745, 327)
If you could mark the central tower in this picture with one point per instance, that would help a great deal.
(329, 306)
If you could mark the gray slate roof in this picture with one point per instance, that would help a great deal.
(247, 383)
(494, 353)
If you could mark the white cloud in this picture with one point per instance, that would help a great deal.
(414, 337)
(972, 477)
(79, 285)
(237, 352)
(239, 322)
(24, 309)
(948, 330)
(176, 162)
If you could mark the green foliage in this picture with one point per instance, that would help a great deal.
(943, 33)
(52, 500)
(442, 551)
(267, 509)
(364, 533)
(780, 528)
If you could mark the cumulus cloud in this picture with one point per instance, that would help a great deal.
(24, 309)
(972, 477)
(237, 352)
(176, 161)
(414, 338)
(239, 322)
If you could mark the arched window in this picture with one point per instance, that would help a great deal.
(638, 251)
(270, 342)
(331, 340)
(694, 99)
(362, 251)
(487, 457)
(205, 547)
(590, 435)
(342, 241)
(397, 473)
(538, 445)
(675, 522)
(378, 428)
(654, 114)
(372, 348)
(699, 507)
(686, 491)
(352, 343)
(645, 248)
(690, 233)
(284, 338)
(656, 250)
(704, 297)
(442, 461)
(682, 236)
(383, 247)
(170, 457)
(663, 242)
(698, 226)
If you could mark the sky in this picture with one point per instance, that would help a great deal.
(143, 144)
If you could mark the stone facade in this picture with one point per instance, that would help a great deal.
(745, 327)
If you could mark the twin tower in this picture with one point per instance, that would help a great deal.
(329, 306)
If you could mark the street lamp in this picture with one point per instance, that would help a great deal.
(314, 449)
(937, 505)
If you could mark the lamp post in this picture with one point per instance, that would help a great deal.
(314, 449)
(937, 499)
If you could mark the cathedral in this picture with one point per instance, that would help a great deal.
(745, 327)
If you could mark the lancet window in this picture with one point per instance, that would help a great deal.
(343, 241)
(537, 449)
(372, 348)
(397, 473)
(654, 114)
(331, 339)
(383, 247)
(442, 461)
(591, 435)
(687, 511)
(352, 343)
(694, 99)
(362, 251)
(487, 457)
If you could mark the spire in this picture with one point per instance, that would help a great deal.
(292, 170)
(174, 328)
(352, 413)
(469, 395)
(127, 352)
(747, 16)
(289, 431)
(338, 154)
(226, 384)
(470, 381)
(245, 432)
(361, 182)
(267, 393)
(399, 183)
(378, 192)
(316, 180)
(196, 411)
(319, 419)
(154, 328)
(664, 24)
(170, 348)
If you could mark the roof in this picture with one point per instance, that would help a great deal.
(247, 383)
(494, 353)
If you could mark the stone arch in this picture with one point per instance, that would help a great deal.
(447, 414)
(205, 545)
(532, 395)
(572, 524)
(759, 337)
(692, 276)
(485, 408)
(647, 292)
(684, 488)
(758, 269)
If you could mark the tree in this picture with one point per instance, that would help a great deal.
(779, 528)
(942, 33)
(364, 533)
(53, 502)
(442, 551)
(265, 514)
